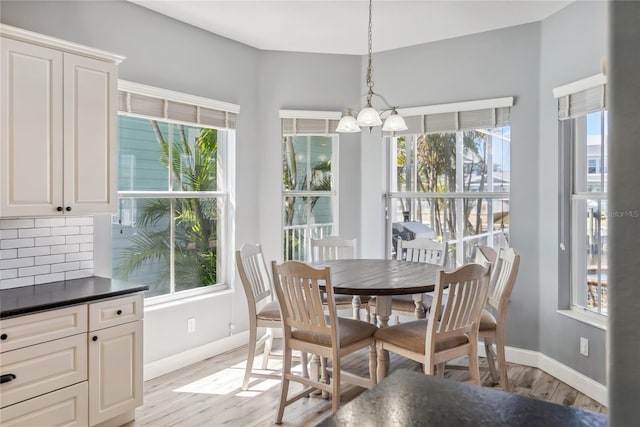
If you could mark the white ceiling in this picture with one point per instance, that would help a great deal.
(334, 26)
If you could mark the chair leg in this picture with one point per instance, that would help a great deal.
(335, 393)
(324, 375)
(252, 354)
(305, 364)
(491, 358)
(367, 311)
(502, 363)
(372, 365)
(381, 370)
(267, 348)
(474, 369)
(284, 384)
(440, 369)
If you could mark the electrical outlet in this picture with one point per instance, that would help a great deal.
(191, 325)
(584, 346)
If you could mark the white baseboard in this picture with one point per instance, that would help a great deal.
(567, 375)
(177, 361)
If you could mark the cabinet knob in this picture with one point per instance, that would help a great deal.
(59, 208)
(68, 209)
(119, 312)
(4, 337)
(95, 338)
(6, 378)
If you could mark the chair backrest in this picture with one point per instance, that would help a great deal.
(332, 247)
(297, 286)
(485, 255)
(423, 250)
(254, 275)
(460, 314)
(503, 279)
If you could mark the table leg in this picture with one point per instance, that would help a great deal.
(383, 309)
(314, 372)
(356, 302)
(418, 300)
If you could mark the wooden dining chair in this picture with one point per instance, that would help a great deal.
(334, 248)
(417, 250)
(485, 255)
(494, 316)
(264, 311)
(451, 330)
(307, 328)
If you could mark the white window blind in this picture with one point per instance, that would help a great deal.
(150, 102)
(488, 113)
(581, 97)
(299, 122)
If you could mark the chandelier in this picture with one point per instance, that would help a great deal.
(369, 116)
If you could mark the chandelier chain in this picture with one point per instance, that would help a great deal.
(370, 64)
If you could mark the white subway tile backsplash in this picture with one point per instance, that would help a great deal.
(78, 274)
(16, 243)
(49, 259)
(35, 251)
(48, 241)
(16, 283)
(65, 266)
(16, 263)
(34, 232)
(44, 250)
(48, 278)
(79, 256)
(79, 238)
(64, 249)
(9, 234)
(9, 273)
(80, 221)
(63, 231)
(34, 271)
(16, 223)
(8, 253)
(50, 222)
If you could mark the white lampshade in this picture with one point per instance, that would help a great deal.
(368, 117)
(347, 124)
(394, 122)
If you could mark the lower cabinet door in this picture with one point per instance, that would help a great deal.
(66, 407)
(115, 371)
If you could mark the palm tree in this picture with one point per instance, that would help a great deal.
(192, 166)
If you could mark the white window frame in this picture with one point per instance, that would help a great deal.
(226, 181)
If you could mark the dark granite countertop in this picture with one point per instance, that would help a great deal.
(29, 299)
(410, 398)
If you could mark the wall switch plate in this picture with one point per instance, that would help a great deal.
(584, 346)
(191, 325)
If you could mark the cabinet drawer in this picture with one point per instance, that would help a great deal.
(67, 407)
(115, 312)
(22, 331)
(42, 368)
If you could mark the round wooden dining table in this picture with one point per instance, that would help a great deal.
(381, 278)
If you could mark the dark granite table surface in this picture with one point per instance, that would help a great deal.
(410, 398)
(29, 299)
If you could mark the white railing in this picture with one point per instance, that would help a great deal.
(297, 239)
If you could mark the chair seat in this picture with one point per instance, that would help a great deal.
(413, 336)
(271, 311)
(487, 322)
(406, 302)
(350, 331)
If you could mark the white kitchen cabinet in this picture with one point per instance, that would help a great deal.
(115, 357)
(74, 365)
(59, 127)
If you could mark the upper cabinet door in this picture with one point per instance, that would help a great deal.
(90, 135)
(31, 143)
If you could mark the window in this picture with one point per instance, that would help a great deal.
(170, 230)
(309, 179)
(449, 178)
(583, 153)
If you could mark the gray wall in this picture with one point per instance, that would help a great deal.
(524, 62)
(624, 151)
(572, 46)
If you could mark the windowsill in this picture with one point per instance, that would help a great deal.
(595, 320)
(185, 297)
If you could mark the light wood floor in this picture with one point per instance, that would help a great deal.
(208, 393)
